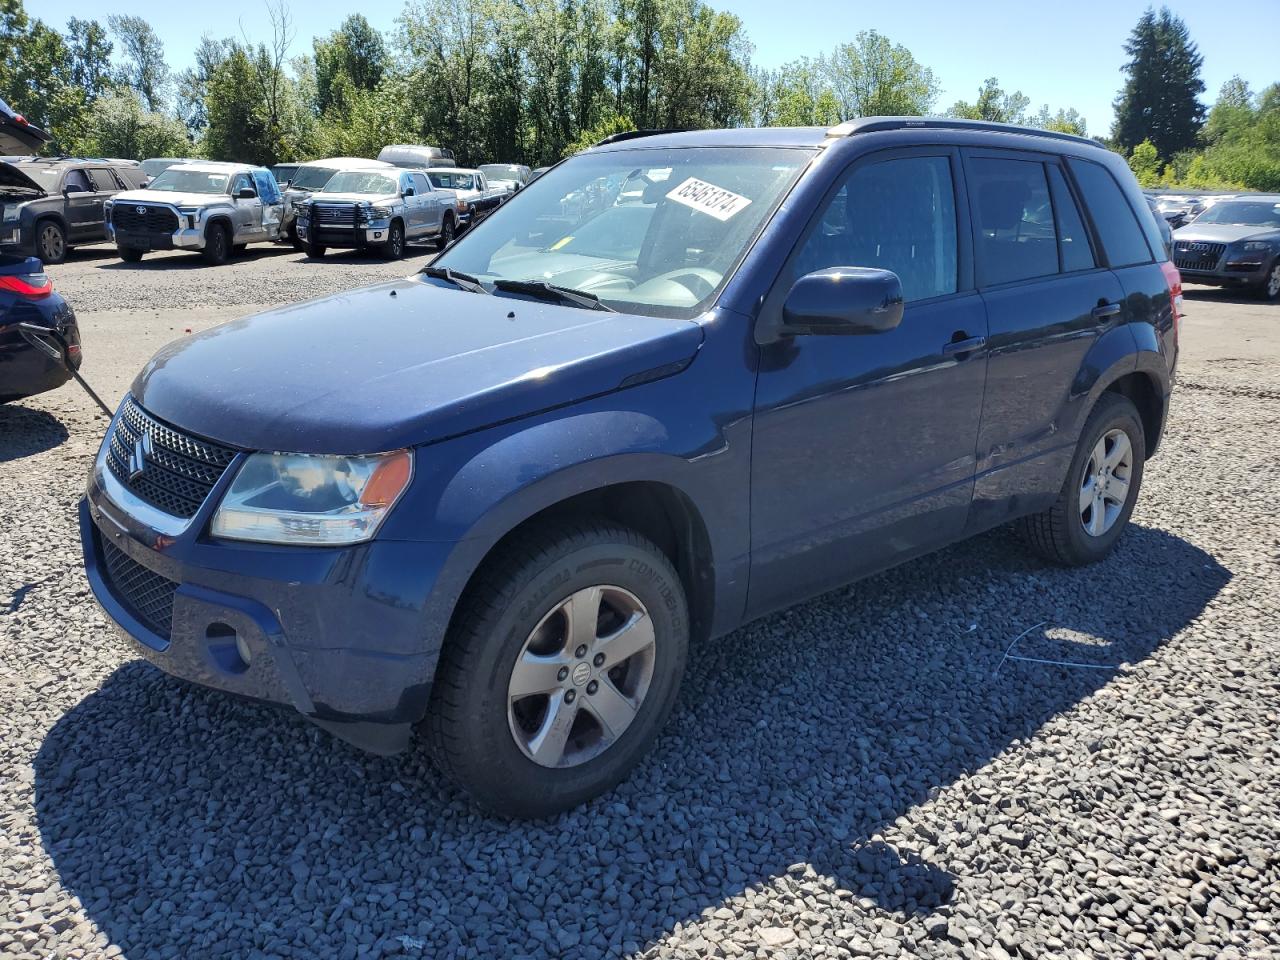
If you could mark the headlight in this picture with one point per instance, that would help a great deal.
(1256, 245)
(191, 213)
(304, 499)
(377, 213)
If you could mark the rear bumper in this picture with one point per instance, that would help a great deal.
(340, 635)
(24, 370)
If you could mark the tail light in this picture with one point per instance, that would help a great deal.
(1174, 279)
(33, 285)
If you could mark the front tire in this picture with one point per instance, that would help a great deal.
(130, 254)
(393, 249)
(314, 250)
(51, 242)
(1269, 289)
(217, 245)
(563, 663)
(1100, 491)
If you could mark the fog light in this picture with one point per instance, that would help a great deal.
(242, 648)
(227, 648)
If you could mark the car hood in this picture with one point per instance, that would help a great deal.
(353, 198)
(1225, 232)
(398, 364)
(15, 183)
(171, 197)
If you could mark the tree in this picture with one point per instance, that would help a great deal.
(36, 76)
(235, 130)
(1145, 164)
(355, 51)
(1160, 100)
(797, 95)
(193, 83)
(90, 53)
(993, 104)
(144, 67)
(872, 77)
(120, 126)
(1064, 121)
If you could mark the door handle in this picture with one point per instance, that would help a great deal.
(965, 346)
(1105, 311)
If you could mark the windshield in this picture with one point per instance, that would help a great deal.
(500, 171)
(1252, 213)
(186, 180)
(452, 181)
(311, 178)
(647, 231)
(361, 181)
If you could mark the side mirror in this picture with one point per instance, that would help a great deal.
(408, 193)
(843, 300)
(246, 193)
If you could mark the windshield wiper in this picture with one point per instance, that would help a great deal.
(550, 291)
(463, 281)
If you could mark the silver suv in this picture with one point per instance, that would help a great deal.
(312, 176)
(380, 210)
(215, 208)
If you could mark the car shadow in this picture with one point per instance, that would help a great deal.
(25, 431)
(192, 259)
(1233, 295)
(183, 819)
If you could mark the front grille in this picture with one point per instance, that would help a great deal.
(125, 216)
(147, 594)
(171, 470)
(1197, 254)
(344, 216)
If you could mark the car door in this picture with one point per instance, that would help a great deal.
(432, 202)
(105, 185)
(82, 206)
(1048, 300)
(248, 210)
(272, 203)
(863, 446)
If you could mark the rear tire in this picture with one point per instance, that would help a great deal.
(217, 245)
(1089, 496)
(51, 242)
(517, 619)
(314, 250)
(130, 254)
(447, 233)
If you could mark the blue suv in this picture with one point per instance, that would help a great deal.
(680, 381)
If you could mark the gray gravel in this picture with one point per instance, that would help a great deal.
(866, 774)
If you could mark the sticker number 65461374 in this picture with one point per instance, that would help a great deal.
(708, 198)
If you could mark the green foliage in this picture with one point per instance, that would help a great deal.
(1160, 100)
(353, 57)
(89, 51)
(121, 126)
(994, 104)
(1145, 164)
(1064, 121)
(605, 128)
(144, 69)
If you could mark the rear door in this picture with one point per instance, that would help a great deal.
(1049, 297)
(863, 446)
(432, 203)
(105, 185)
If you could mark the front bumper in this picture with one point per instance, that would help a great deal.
(372, 233)
(181, 239)
(339, 634)
(1229, 271)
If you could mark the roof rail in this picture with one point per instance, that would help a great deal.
(635, 135)
(871, 124)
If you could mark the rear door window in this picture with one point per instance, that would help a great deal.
(1073, 238)
(77, 180)
(104, 180)
(421, 184)
(897, 215)
(1013, 220)
(1118, 228)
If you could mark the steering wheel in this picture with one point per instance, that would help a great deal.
(682, 276)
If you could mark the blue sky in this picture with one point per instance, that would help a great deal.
(1063, 55)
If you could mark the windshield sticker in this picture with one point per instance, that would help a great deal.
(708, 198)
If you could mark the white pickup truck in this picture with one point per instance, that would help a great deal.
(473, 189)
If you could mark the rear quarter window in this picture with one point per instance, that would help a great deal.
(1118, 228)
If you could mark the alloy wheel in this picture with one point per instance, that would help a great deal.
(1104, 489)
(52, 246)
(581, 676)
(1273, 281)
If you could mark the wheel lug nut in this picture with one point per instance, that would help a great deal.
(563, 675)
(569, 696)
(599, 660)
(592, 687)
(581, 651)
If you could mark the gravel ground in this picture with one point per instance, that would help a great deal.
(866, 774)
